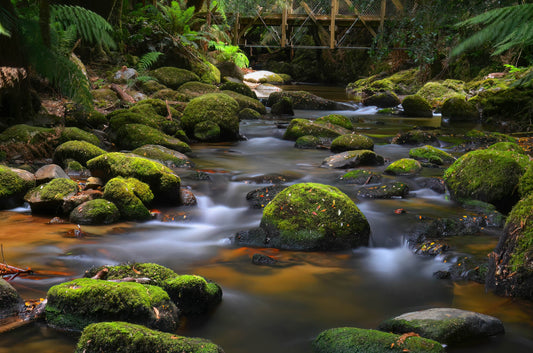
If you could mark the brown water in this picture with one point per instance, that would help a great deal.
(268, 309)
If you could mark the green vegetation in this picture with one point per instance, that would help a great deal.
(80, 151)
(156, 273)
(404, 166)
(131, 196)
(193, 294)
(431, 154)
(95, 212)
(351, 142)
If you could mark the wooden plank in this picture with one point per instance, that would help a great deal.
(332, 25)
(358, 14)
(382, 15)
(284, 26)
(236, 36)
(398, 5)
(321, 29)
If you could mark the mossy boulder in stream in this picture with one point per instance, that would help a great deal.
(49, 198)
(10, 301)
(360, 176)
(166, 156)
(74, 133)
(303, 100)
(431, 154)
(416, 106)
(164, 184)
(26, 134)
(457, 108)
(336, 119)
(525, 184)
(445, 325)
(80, 151)
(404, 166)
(357, 340)
(131, 197)
(78, 303)
(195, 89)
(312, 216)
(302, 127)
(382, 100)
(95, 212)
(14, 184)
(193, 294)
(131, 136)
(156, 274)
(217, 108)
(173, 77)
(246, 102)
(487, 175)
(511, 263)
(123, 337)
(351, 142)
(353, 159)
(207, 131)
(283, 107)
(437, 92)
(507, 146)
(239, 88)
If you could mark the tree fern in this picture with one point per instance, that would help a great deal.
(507, 27)
(147, 60)
(89, 25)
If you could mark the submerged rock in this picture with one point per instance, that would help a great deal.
(385, 191)
(352, 339)
(259, 198)
(10, 301)
(445, 325)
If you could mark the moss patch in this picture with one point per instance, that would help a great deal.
(437, 92)
(25, 134)
(352, 142)
(302, 127)
(336, 119)
(416, 106)
(193, 294)
(431, 154)
(246, 102)
(74, 133)
(131, 197)
(156, 273)
(131, 136)
(11, 184)
(173, 77)
(239, 88)
(456, 108)
(165, 156)
(96, 212)
(360, 176)
(80, 151)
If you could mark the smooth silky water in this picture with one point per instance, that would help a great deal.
(268, 309)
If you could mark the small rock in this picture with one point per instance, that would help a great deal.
(49, 172)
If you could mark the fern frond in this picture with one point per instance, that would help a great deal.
(507, 28)
(147, 60)
(6, 21)
(90, 26)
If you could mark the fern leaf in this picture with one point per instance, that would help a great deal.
(147, 60)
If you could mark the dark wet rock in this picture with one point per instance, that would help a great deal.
(430, 229)
(273, 178)
(10, 301)
(75, 200)
(107, 337)
(187, 197)
(14, 184)
(74, 305)
(259, 198)
(488, 216)
(475, 139)
(80, 151)
(48, 172)
(459, 109)
(351, 142)
(465, 268)
(446, 325)
(352, 159)
(193, 294)
(384, 191)
(303, 100)
(382, 100)
(283, 107)
(95, 212)
(351, 339)
(414, 137)
(264, 260)
(435, 184)
(404, 166)
(431, 248)
(361, 177)
(49, 198)
(416, 106)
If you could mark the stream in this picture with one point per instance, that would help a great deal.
(269, 309)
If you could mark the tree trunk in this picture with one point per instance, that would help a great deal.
(44, 21)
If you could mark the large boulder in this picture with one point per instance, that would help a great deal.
(239, 88)
(357, 340)
(312, 216)
(164, 184)
(193, 294)
(156, 274)
(437, 92)
(336, 119)
(353, 159)
(218, 108)
(49, 198)
(416, 106)
(382, 100)
(303, 100)
(487, 175)
(431, 154)
(74, 133)
(195, 89)
(111, 337)
(131, 136)
(78, 303)
(95, 212)
(14, 184)
(166, 156)
(131, 197)
(173, 77)
(80, 151)
(351, 142)
(511, 264)
(525, 184)
(10, 301)
(404, 166)
(445, 325)
(246, 102)
(303, 127)
(457, 108)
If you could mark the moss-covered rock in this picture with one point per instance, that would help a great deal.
(353, 159)
(487, 175)
(405, 81)
(95, 212)
(511, 264)
(356, 340)
(151, 86)
(385, 191)
(360, 176)
(156, 274)
(336, 119)
(311, 216)
(207, 72)
(437, 92)
(10, 301)
(153, 106)
(83, 118)
(382, 100)
(80, 151)
(283, 107)
(239, 88)
(26, 134)
(149, 118)
(163, 182)
(476, 138)
(507, 146)
(131, 136)
(193, 294)
(108, 337)
(525, 184)
(414, 137)
(166, 156)
(14, 184)
(218, 108)
(308, 142)
(513, 106)
(74, 305)
(431, 154)
(404, 166)
(302, 127)
(48, 198)
(302, 100)
(416, 106)
(457, 108)
(351, 142)
(172, 77)
(263, 76)
(104, 97)
(249, 114)
(445, 325)
(229, 71)
(246, 102)
(169, 94)
(195, 89)
(207, 131)
(130, 196)
(74, 133)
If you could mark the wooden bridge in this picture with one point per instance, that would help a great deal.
(335, 22)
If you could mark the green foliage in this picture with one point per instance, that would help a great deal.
(147, 60)
(178, 20)
(229, 52)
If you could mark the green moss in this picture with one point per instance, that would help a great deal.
(525, 184)
(80, 151)
(352, 142)
(283, 107)
(55, 190)
(384, 191)
(131, 136)
(74, 133)
(360, 176)
(457, 108)
(353, 159)
(25, 134)
(96, 212)
(336, 119)
(239, 88)
(307, 141)
(246, 102)
(163, 182)
(207, 131)
(436, 93)
(130, 196)
(314, 216)
(512, 105)
(382, 100)
(404, 166)
(10, 301)
(11, 184)
(73, 166)
(194, 89)
(124, 337)
(507, 146)
(144, 114)
(173, 77)
(170, 95)
(431, 154)
(78, 303)
(416, 106)
(153, 106)
(85, 119)
(302, 100)
(249, 114)
(405, 82)
(104, 97)
(302, 127)
(207, 72)
(487, 175)
(521, 217)
(356, 340)
(152, 86)
(163, 155)
(156, 273)
(485, 138)
(193, 294)
(216, 107)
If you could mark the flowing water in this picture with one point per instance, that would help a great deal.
(267, 309)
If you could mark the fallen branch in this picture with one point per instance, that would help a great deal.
(122, 94)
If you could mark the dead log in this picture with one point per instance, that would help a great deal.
(122, 94)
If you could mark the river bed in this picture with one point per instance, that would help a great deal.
(268, 309)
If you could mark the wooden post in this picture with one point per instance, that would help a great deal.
(383, 12)
(284, 25)
(332, 25)
(236, 35)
